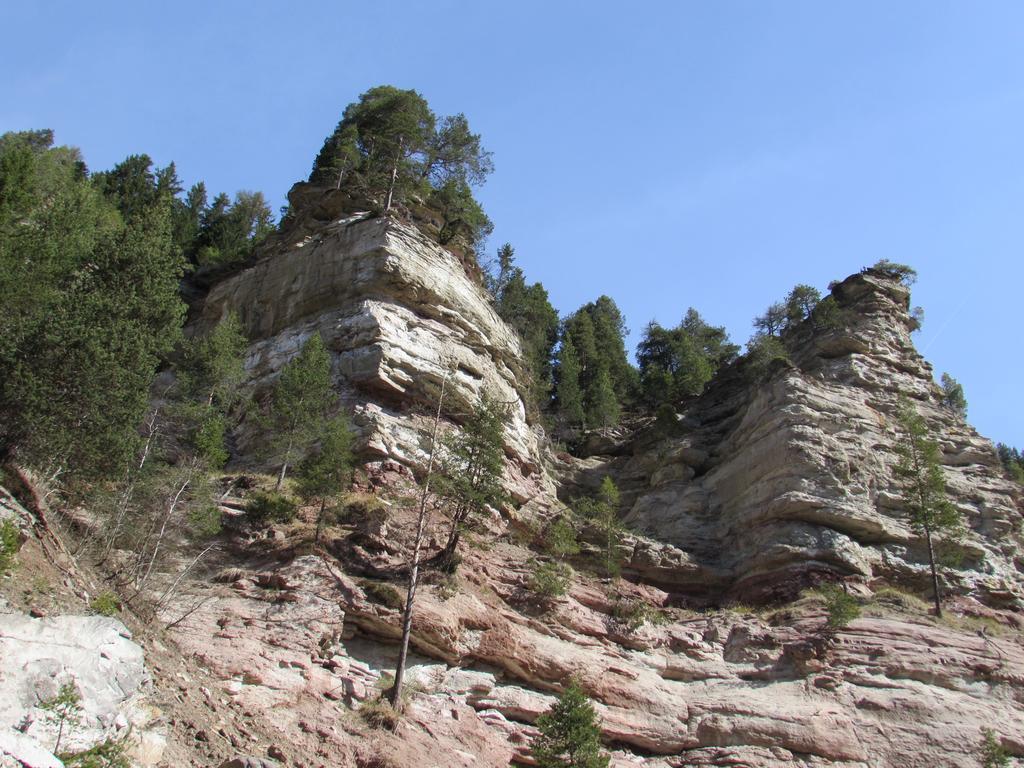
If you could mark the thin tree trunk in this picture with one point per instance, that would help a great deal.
(394, 695)
(284, 467)
(320, 520)
(935, 575)
(394, 174)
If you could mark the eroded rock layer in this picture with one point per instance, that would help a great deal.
(398, 314)
(771, 481)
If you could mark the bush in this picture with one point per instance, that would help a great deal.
(379, 714)
(10, 543)
(108, 754)
(549, 580)
(384, 593)
(842, 607)
(270, 507)
(364, 506)
(205, 521)
(902, 272)
(762, 351)
(633, 613)
(992, 753)
(561, 539)
(105, 604)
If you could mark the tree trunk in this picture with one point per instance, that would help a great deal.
(935, 575)
(394, 175)
(394, 695)
(320, 519)
(284, 467)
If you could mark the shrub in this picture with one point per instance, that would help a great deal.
(364, 506)
(10, 542)
(384, 593)
(270, 507)
(561, 539)
(902, 272)
(105, 604)
(549, 580)
(842, 607)
(108, 754)
(379, 714)
(762, 351)
(992, 753)
(634, 613)
(900, 599)
(570, 734)
(205, 521)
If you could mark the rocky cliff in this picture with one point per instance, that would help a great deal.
(399, 314)
(771, 484)
(707, 653)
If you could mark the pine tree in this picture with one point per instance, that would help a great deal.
(299, 404)
(324, 474)
(924, 487)
(953, 395)
(570, 735)
(472, 465)
(567, 392)
(602, 407)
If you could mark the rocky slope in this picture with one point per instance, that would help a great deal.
(765, 486)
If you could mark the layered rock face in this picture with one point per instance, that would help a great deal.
(399, 315)
(776, 481)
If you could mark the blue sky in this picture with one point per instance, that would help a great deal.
(666, 154)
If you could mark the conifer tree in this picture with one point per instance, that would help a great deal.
(570, 736)
(924, 487)
(472, 465)
(567, 394)
(324, 474)
(602, 406)
(300, 401)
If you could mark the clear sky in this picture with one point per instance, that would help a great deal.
(667, 154)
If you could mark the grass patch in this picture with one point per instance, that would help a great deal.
(105, 604)
(383, 593)
(10, 543)
(634, 614)
(380, 715)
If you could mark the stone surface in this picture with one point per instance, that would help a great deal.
(96, 654)
(795, 475)
(398, 313)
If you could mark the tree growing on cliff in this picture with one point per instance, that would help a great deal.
(924, 487)
(603, 513)
(324, 474)
(472, 465)
(299, 403)
(570, 734)
(953, 395)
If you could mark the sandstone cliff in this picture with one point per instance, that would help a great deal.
(772, 483)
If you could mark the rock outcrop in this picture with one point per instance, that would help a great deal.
(772, 483)
(399, 314)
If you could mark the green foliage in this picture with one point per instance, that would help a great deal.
(953, 395)
(208, 439)
(773, 321)
(389, 148)
(762, 351)
(90, 286)
(10, 543)
(213, 366)
(384, 593)
(549, 580)
(801, 303)
(606, 380)
(634, 613)
(270, 507)
(924, 486)
(204, 520)
(528, 310)
(324, 474)
(228, 231)
(560, 540)
(603, 512)
(379, 714)
(907, 275)
(105, 604)
(107, 754)
(570, 734)
(841, 607)
(1012, 460)
(993, 755)
(679, 362)
(299, 403)
(827, 315)
(567, 393)
(65, 707)
(472, 463)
